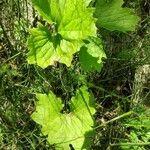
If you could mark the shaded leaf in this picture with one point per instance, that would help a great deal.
(91, 55)
(112, 16)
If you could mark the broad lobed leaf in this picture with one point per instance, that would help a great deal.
(112, 16)
(46, 49)
(77, 21)
(73, 22)
(72, 17)
(74, 128)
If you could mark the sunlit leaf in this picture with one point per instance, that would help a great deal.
(71, 21)
(46, 49)
(74, 128)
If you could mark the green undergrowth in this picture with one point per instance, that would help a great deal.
(112, 88)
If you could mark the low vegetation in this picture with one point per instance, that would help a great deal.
(77, 78)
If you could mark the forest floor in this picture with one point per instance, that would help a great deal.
(122, 86)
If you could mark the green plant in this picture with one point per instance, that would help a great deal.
(71, 28)
(138, 130)
(65, 128)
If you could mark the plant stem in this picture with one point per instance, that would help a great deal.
(130, 144)
(114, 119)
(14, 56)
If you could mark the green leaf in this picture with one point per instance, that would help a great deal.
(141, 120)
(43, 8)
(112, 16)
(72, 22)
(87, 2)
(73, 19)
(77, 22)
(138, 127)
(46, 49)
(64, 129)
(50, 10)
(88, 63)
(91, 55)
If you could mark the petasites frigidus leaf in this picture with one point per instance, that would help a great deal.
(54, 10)
(72, 22)
(65, 129)
(91, 55)
(112, 16)
(45, 49)
(77, 21)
